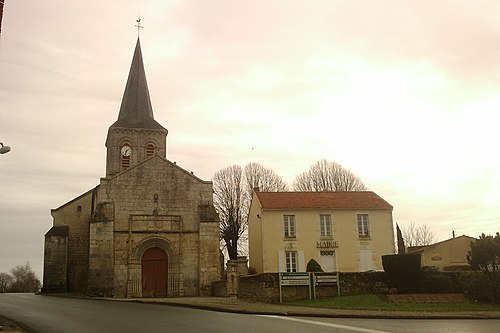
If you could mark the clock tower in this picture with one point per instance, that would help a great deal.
(135, 136)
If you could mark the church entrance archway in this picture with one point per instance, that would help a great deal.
(154, 273)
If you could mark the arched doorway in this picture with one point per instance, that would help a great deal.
(154, 273)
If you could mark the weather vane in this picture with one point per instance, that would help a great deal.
(139, 26)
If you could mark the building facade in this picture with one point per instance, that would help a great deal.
(342, 231)
(149, 229)
(447, 255)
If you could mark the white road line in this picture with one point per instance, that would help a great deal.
(319, 323)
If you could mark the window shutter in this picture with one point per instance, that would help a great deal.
(302, 266)
(281, 261)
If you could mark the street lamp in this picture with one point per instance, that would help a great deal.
(4, 149)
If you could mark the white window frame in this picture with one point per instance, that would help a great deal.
(363, 225)
(291, 261)
(325, 225)
(289, 226)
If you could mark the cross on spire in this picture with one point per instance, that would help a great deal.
(139, 26)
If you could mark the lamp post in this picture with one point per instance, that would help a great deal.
(4, 149)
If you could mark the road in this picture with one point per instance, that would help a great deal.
(63, 315)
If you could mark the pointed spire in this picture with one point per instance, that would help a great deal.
(136, 110)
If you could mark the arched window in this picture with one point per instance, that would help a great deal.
(150, 149)
(126, 152)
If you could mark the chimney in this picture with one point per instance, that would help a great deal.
(453, 233)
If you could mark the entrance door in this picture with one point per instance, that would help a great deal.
(327, 261)
(154, 273)
(365, 260)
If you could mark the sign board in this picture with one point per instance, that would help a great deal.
(294, 279)
(326, 281)
(326, 278)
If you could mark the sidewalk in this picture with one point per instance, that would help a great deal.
(236, 305)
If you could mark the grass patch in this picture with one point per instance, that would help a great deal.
(373, 302)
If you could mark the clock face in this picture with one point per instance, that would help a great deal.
(126, 150)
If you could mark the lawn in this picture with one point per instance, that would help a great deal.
(373, 302)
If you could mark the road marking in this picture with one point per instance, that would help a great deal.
(319, 323)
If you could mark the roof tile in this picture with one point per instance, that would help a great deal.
(322, 200)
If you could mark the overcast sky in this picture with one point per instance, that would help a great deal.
(406, 94)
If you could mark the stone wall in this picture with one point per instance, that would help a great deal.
(101, 252)
(158, 204)
(76, 215)
(55, 260)
(219, 289)
(265, 287)
(209, 254)
(359, 283)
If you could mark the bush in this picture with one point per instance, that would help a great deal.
(313, 266)
(401, 271)
(477, 286)
(430, 280)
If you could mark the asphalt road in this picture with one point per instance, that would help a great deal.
(54, 315)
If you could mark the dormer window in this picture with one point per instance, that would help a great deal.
(150, 150)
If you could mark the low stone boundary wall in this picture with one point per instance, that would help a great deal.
(219, 289)
(265, 287)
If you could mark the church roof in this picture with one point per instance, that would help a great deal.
(136, 110)
(321, 200)
(58, 230)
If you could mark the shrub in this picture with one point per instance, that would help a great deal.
(477, 286)
(401, 271)
(430, 280)
(313, 266)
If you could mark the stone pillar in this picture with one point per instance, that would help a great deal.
(235, 268)
(242, 265)
(232, 278)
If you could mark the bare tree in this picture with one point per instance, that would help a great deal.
(229, 202)
(327, 175)
(233, 187)
(421, 235)
(24, 279)
(256, 175)
(5, 282)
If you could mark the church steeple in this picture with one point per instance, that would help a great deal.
(136, 135)
(136, 110)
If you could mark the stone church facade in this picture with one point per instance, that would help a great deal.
(149, 229)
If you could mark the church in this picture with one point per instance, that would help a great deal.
(148, 229)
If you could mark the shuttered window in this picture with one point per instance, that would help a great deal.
(150, 150)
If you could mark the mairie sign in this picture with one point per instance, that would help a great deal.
(294, 279)
(326, 244)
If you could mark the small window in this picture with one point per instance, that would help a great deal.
(291, 261)
(150, 150)
(325, 222)
(125, 162)
(79, 209)
(289, 225)
(126, 152)
(363, 225)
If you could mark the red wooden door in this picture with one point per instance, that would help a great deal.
(154, 273)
